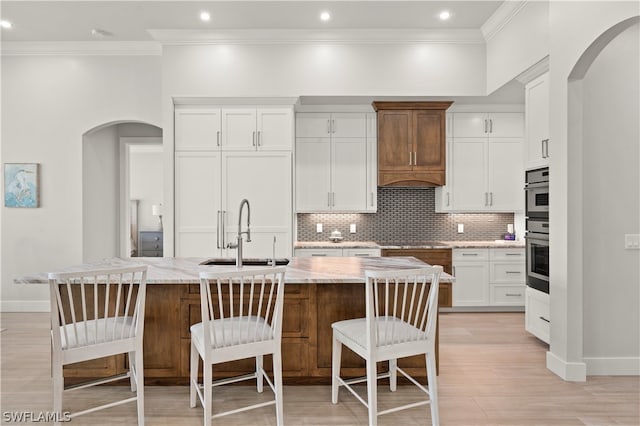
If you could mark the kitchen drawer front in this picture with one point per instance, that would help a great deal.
(361, 252)
(513, 254)
(151, 253)
(507, 295)
(317, 252)
(505, 272)
(470, 255)
(537, 320)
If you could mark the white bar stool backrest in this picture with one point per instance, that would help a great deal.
(244, 304)
(97, 306)
(403, 304)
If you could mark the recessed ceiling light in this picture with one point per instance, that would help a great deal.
(205, 16)
(6, 24)
(444, 15)
(325, 16)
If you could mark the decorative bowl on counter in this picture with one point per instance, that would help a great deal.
(336, 236)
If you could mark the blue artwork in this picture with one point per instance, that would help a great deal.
(21, 185)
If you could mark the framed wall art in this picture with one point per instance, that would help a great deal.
(22, 185)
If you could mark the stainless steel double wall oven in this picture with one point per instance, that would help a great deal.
(537, 224)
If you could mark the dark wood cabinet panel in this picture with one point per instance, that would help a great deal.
(411, 143)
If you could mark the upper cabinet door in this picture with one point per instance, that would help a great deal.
(239, 129)
(349, 174)
(505, 175)
(395, 142)
(197, 129)
(537, 122)
(470, 125)
(505, 124)
(313, 125)
(429, 141)
(275, 129)
(313, 174)
(348, 125)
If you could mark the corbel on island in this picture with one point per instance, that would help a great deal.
(318, 292)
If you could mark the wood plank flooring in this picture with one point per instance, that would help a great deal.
(491, 373)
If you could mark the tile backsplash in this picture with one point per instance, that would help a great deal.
(405, 215)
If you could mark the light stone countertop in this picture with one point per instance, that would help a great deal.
(301, 270)
(411, 244)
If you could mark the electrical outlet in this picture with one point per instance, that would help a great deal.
(632, 241)
(319, 228)
(460, 228)
(352, 228)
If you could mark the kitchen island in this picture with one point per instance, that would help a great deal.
(318, 292)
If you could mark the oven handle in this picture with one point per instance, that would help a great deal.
(529, 186)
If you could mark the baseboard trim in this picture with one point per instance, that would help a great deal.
(569, 371)
(618, 366)
(25, 306)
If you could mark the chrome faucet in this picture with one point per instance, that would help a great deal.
(238, 244)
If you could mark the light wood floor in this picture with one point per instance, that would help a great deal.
(491, 373)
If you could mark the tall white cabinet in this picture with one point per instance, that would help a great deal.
(223, 155)
(335, 163)
(537, 123)
(484, 161)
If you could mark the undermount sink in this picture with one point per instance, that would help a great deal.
(228, 261)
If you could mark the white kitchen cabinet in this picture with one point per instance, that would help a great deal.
(213, 173)
(372, 162)
(471, 269)
(197, 129)
(444, 193)
(492, 124)
(321, 252)
(506, 276)
(333, 173)
(261, 129)
(537, 122)
(537, 320)
(489, 277)
(486, 172)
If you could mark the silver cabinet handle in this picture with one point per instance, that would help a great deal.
(372, 199)
(218, 138)
(485, 126)
(224, 213)
(328, 126)
(491, 198)
(218, 230)
(486, 199)
(453, 269)
(513, 294)
(513, 254)
(328, 199)
(333, 126)
(544, 319)
(259, 143)
(448, 199)
(410, 158)
(254, 138)
(469, 254)
(490, 125)
(546, 148)
(361, 254)
(542, 148)
(415, 158)
(318, 254)
(513, 272)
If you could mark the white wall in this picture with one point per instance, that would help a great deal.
(574, 26)
(521, 43)
(611, 202)
(146, 184)
(48, 103)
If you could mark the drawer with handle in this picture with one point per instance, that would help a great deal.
(507, 254)
(507, 295)
(502, 272)
(470, 255)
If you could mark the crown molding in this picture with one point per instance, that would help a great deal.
(75, 48)
(299, 36)
(534, 71)
(501, 17)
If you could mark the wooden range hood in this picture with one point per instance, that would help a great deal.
(411, 143)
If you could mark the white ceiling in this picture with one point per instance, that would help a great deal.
(72, 21)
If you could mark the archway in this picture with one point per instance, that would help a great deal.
(104, 212)
(603, 145)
